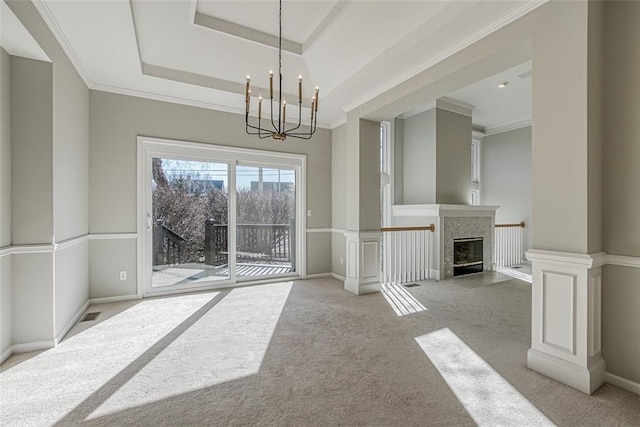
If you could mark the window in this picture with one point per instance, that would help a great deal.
(386, 195)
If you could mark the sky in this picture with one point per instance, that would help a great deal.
(219, 172)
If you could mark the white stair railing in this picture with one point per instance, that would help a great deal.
(509, 244)
(405, 253)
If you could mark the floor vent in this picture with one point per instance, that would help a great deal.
(516, 267)
(90, 317)
(411, 285)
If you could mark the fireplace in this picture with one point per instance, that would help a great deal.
(467, 256)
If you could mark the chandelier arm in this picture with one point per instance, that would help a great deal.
(259, 129)
(299, 119)
(275, 128)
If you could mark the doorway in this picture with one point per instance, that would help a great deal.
(212, 216)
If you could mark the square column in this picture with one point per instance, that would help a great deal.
(566, 317)
(363, 262)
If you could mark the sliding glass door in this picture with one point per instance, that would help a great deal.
(266, 221)
(213, 217)
(190, 205)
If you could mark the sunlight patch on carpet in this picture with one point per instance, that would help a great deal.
(488, 398)
(45, 388)
(227, 343)
(400, 300)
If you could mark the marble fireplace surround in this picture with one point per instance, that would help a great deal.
(452, 222)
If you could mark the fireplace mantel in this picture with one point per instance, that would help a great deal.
(451, 222)
(443, 210)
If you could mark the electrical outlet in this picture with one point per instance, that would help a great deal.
(309, 213)
(341, 260)
(123, 275)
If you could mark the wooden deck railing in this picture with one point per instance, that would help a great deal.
(265, 242)
(166, 245)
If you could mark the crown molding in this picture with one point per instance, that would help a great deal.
(457, 47)
(53, 25)
(455, 106)
(508, 126)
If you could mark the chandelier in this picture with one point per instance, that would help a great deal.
(276, 126)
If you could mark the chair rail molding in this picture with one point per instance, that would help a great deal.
(363, 262)
(566, 316)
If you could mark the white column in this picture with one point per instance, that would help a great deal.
(566, 318)
(363, 262)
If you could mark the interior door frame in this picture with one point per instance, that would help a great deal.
(150, 147)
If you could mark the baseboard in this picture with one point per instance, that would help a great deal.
(32, 346)
(6, 354)
(71, 323)
(624, 383)
(323, 275)
(107, 300)
(434, 275)
(578, 377)
(338, 277)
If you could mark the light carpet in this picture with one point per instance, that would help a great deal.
(303, 353)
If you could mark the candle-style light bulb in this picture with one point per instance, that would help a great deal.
(317, 97)
(247, 89)
(271, 84)
(300, 89)
(284, 112)
(259, 107)
(313, 101)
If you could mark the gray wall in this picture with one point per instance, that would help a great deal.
(49, 187)
(419, 158)
(338, 199)
(506, 177)
(436, 158)
(453, 157)
(621, 185)
(116, 122)
(398, 161)
(6, 312)
(31, 151)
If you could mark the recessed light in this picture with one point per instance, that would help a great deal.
(503, 84)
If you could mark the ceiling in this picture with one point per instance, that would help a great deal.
(198, 52)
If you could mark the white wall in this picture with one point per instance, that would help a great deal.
(506, 177)
(453, 157)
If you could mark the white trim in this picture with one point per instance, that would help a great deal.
(108, 300)
(623, 383)
(319, 230)
(45, 248)
(113, 236)
(506, 127)
(435, 59)
(6, 354)
(444, 210)
(584, 260)
(325, 230)
(337, 276)
(6, 250)
(49, 19)
(623, 261)
(70, 324)
(454, 106)
(71, 242)
(32, 346)
(149, 147)
(317, 276)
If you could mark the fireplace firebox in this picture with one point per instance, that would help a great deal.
(467, 256)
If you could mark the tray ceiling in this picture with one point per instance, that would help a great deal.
(198, 52)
